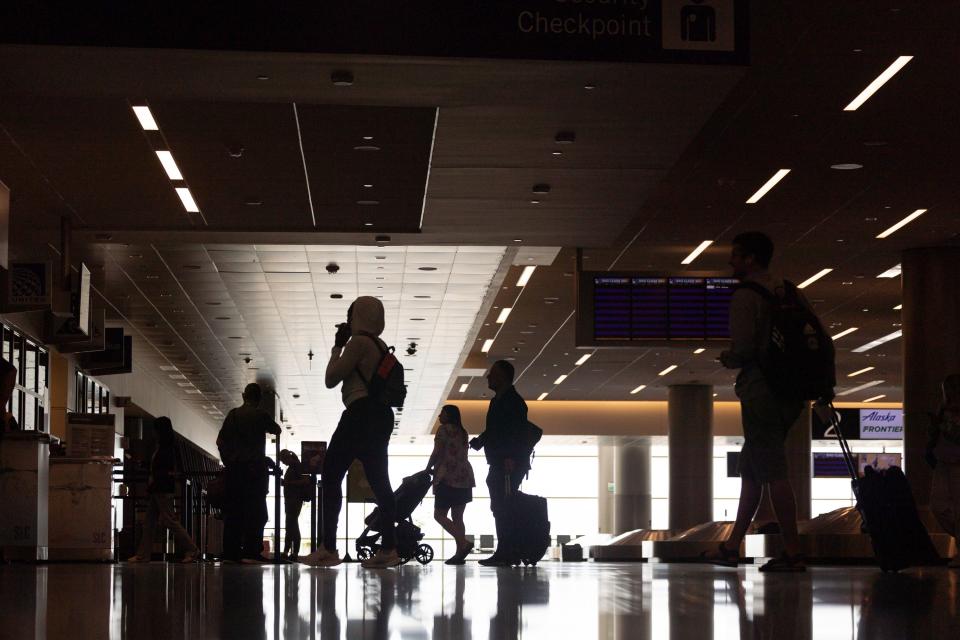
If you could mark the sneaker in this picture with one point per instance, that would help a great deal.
(497, 561)
(136, 559)
(785, 564)
(321, 558)
(383, 559)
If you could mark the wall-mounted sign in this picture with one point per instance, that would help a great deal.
(30, 285)
(694, 31)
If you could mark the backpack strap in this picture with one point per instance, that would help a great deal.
(383, 353)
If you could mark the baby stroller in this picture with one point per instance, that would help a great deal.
(408, 496)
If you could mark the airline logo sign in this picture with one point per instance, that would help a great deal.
(881, 424)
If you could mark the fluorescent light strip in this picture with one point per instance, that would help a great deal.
(696, 252)
(699, 351)
(638, 389)
(872, 383)
(880, 80)
(486, 345)
(464, 386)
(667, 370)
(845, 332)
(583, 359)
(169, 165)
(898, 307)
(871, 399)
(542, 396)
(187, 199)
(879, 341)
(769, 184)
(560, 379)
(504, 314)
(809, 281)
(525, 276)
(145, 116)
(910, 218)
(892, 272)
(856, 373)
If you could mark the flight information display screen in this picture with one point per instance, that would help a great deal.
(640, 308)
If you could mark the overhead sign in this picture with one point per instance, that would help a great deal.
(861, 424)
(695, 31)
(881, 424)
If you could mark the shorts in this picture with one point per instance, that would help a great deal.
(766, 423)
(448, 497)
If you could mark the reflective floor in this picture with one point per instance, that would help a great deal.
(554, 600)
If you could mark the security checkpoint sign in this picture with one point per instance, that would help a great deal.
(654, 31)
(881, 424)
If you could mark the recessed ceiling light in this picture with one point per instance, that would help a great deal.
(541, 189)
(366, 147)
(892, 272)
(898, 307)
(910, 218)
(368, 186)
(464, 386)
(560, 379)
(418, 319)
(145, 116)
(368, 224)
(336, 296)
(236, 337)
(583, 359)
(426, 268)
(565, 137)
(856, 373)
(879, 341)
(846, 166)
(533, 202)
(525, 275)
(213, 303)
(169, 165)
(368, 203)
(667, 370)
(253, 202)
(421, 298)
(867, 385)
(518, 239)
(486, 345)
(806, 283)
(187, 199)
(769, 184)
(263, 77)
(880, 80)
(504, 314)
(542, 396)
(368, 138)
(845, 332)
(699, 351)
(557, 153)
(872, 398)
(222, 318)
(342, 78)
(696, 252)
(638, 389)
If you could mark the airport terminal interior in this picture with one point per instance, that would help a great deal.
(193, 196)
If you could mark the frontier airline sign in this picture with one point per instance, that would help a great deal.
(881, 424)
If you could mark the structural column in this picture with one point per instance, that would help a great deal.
(632, 487)
(690, 416)
(606, 484)
(931, 349)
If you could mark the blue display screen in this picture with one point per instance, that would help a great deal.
(661, 308)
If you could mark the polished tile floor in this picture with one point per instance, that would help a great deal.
(556, 601)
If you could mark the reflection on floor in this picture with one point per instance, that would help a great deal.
(554, 600)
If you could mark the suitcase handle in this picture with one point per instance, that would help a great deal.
(844, 445)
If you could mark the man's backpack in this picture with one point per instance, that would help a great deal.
(531, 435)
(799, 359)
(386, 385)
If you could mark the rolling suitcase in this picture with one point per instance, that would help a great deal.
(531, 524)
(888, 514)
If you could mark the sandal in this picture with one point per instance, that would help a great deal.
(785, 564)
(722, 557)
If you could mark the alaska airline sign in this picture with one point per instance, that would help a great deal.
(881, 424)
(694, 31)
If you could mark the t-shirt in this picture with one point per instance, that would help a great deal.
(296, 471)
(243, 437)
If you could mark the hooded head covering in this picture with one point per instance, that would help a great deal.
(367, 316)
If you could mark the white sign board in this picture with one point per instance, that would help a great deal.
(881, 424)
(90, 435)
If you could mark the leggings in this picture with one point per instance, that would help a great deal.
(363, 434)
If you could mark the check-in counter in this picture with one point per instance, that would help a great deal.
(81, 523)
(24, 464)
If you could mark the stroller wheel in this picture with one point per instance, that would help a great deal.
(424, 554)
(364, 553)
